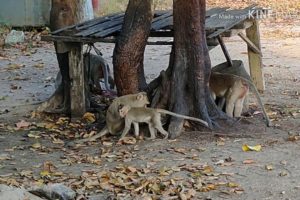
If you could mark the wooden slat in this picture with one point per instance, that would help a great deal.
(96, 20)
(167, 14)
(226, 20)
(100, 27)
(108, 32)
(168, 21)
(89, 25)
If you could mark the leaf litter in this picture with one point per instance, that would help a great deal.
(183, 181)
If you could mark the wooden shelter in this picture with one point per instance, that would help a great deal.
(220, 22)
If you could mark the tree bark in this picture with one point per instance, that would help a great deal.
(128, 54)
(64, 13)
(186, 83)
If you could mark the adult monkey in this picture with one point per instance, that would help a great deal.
(114, 122)
(64, 13)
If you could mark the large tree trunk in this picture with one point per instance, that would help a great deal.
(184, 86)
(64, 13)
(129, 50)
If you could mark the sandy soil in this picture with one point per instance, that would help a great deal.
(213, 160)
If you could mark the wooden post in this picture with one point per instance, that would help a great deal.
(255, 60)
(77, 89)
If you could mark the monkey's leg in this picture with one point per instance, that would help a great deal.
(232, 96)
(152, 131)
(238, 106)
(162, 131)
(229, 106)
(126, 128)
(158, 126)
(136, 129)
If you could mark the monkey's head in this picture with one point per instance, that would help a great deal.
(142, 99)
(123, 110)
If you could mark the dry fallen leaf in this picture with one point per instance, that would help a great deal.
(14, 66)
(269, 167)
(248, 161)
(221, 141)
(208, 169)
(294, 138)
(283, 162)
(39, 65)
(57, 141)
(45, 174)
(180, 150)
(36, 145)
(208, 188)
(232, 185)
(283, 173)
(62, 120)
(22, 124)
(89, 117)
(246, 147)
(127, 140)
(33, 135)
(107, 144)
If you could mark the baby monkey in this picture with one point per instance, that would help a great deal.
(151, 116)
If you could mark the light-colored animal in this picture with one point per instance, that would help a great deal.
(232, 88)
(151, 116)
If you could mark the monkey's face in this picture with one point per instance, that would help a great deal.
(142, 99)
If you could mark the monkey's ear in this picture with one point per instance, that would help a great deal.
(140, 96)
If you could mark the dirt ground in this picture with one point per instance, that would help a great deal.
(197, 165)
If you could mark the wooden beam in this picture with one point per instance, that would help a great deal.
(52, 38)
(77, 89)
(224, 49)
(250, 44)
(255, 60)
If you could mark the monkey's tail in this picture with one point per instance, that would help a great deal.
(103, 132)
(182, 116)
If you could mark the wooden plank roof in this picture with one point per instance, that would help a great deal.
(218, 21)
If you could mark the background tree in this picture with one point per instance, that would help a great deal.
(129, 51)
